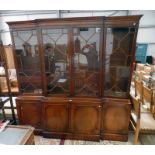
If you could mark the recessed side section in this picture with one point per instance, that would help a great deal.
(29, 110)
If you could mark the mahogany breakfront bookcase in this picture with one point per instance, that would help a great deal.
(74, 75)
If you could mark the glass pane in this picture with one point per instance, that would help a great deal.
(3, 85)
(3, 74)
(28, 61)
(86, 60)
(11, 69)
(118, 59)
(56, 60)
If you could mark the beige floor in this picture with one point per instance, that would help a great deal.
(147, 140)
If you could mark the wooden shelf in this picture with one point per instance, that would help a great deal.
(13, 90)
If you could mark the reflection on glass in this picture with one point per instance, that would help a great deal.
(3, 85)
(86, 60)
(28, 61)
(56, 61)
(117, 61)
(3, 79)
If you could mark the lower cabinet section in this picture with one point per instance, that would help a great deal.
(29, 110)
(76, 118)
(115, 119)
(55, 115)
(85, 117)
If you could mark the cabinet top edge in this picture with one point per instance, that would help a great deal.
(94, 18)
(56, 20)
(133, 17)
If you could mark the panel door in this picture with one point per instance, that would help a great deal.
(85, 118)
(56, 117)
(115, 116)
(29, 113)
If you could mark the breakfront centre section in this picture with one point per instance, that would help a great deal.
(74, 75)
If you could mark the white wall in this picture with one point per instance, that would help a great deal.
(6, 35)
(148, 17)
(146, 33)
(94, 13)
(42, 14)
(151, 50)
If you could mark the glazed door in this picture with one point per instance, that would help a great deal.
(119, 54)
(30, 113)
(56, 61)
(28, 61)
(56, 116)
(71, 60)
(86, 61)
(85, 117)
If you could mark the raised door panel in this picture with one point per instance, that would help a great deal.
(56, 117)
(115, 117)
(85, 119)
(30, 113)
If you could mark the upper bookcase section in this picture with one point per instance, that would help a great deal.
(84, 56)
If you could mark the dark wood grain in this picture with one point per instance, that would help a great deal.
(55, 115)
(82, 117)
(30, 111)
(85, 117)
